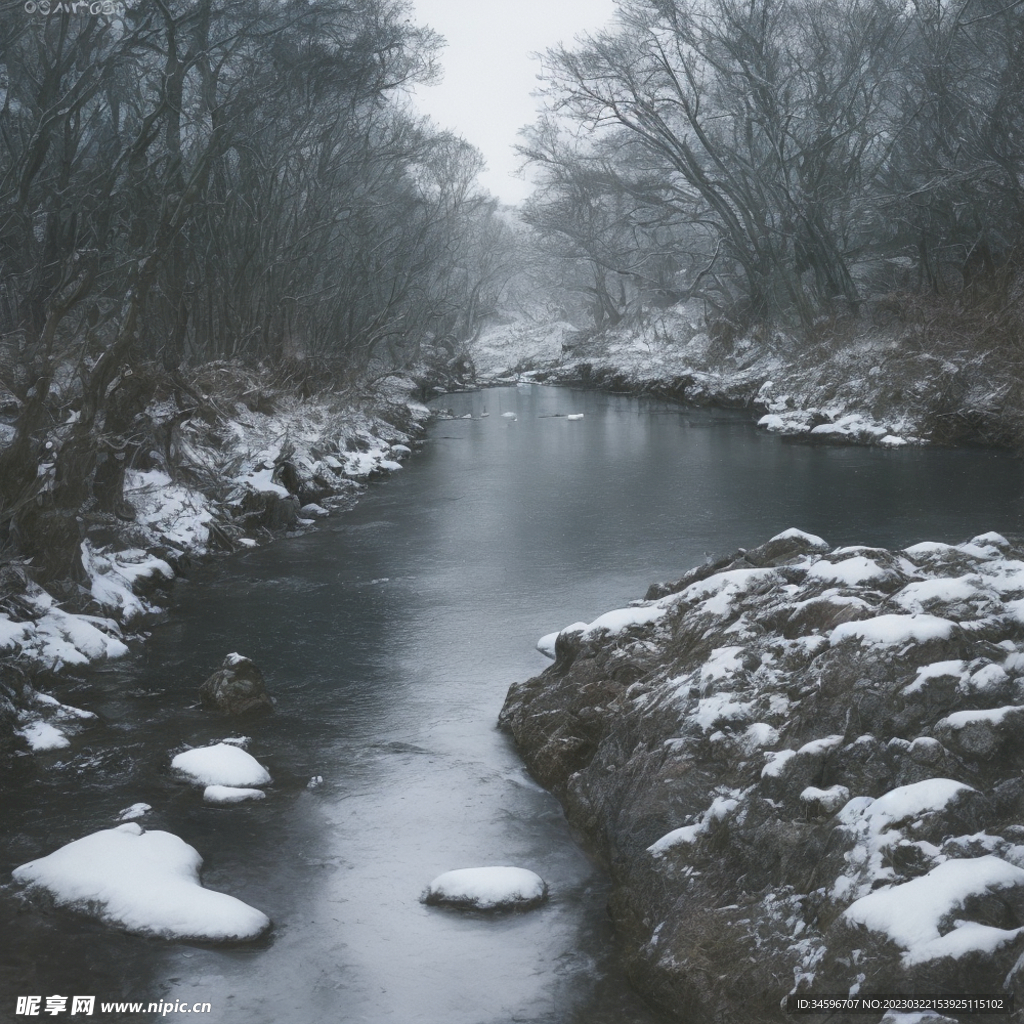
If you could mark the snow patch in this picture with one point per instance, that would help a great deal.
(893, 630)
(912, 914)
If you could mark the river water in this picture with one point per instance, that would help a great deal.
(389, 637)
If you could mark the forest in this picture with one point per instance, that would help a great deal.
(785, 160)
(185, 184)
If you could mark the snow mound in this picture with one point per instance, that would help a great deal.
(221, 765)
(497, 888)
(905, 803)
(144, 882)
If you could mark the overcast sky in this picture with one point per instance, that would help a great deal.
(489, 76)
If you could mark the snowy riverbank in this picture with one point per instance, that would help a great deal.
(228, 480)
(879, 381)
(802, 766)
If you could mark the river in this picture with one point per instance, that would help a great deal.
(389, 637)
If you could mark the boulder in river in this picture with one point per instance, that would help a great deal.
(494, 888)
(236, 688)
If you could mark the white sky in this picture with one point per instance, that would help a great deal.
(485, 95)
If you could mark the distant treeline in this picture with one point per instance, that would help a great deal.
(216, 179)
(785, 159)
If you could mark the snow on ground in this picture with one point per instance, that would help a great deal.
(170, 512)
(490, 888)
(115, 575)
(864, 385)
(222, 764)
(144, 882)
(511, 348)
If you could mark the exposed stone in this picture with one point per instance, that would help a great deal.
(236, 688)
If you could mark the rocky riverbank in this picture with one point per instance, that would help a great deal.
(802, 766)
(242, 464)
(902, 374)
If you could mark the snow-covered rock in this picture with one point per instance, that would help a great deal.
(231, 794)
(491, 888)
(144, 882)
(220, 765)
(42, 736)
(137, 810)
(802, 763)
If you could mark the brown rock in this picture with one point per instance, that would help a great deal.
(236, 688)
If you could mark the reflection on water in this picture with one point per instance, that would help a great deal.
(389, 638)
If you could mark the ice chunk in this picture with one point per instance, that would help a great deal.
(133, 812)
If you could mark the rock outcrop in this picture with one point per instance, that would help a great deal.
(803, 769)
